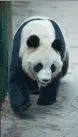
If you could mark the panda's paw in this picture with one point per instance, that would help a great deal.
(25, 106)
(21, 111)
(45, 102)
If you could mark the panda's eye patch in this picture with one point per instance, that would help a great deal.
(38, 67)
(53, 68)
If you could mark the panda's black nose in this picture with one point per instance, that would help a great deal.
(46, 80)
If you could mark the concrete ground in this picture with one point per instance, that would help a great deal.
(60, 119)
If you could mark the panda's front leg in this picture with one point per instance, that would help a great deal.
(18, 92)
(48, 94)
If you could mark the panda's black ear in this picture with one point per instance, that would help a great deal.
(33, 41)
(57, 45)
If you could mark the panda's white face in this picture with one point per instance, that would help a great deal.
(42, 65)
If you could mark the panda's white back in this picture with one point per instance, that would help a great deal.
(42, 28)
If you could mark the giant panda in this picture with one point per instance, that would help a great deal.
(39, 60)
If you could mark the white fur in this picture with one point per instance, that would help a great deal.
(43, 29)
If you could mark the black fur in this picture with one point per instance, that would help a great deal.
(58, 46)
(59, 43)
(38, 67)
(65, 65)
(20, 85)
(33, 41)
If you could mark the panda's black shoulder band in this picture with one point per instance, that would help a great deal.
(33, 41)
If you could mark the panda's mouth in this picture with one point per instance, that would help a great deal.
(42, 83)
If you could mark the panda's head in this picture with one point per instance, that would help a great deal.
(43, 64)
(39, 59)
